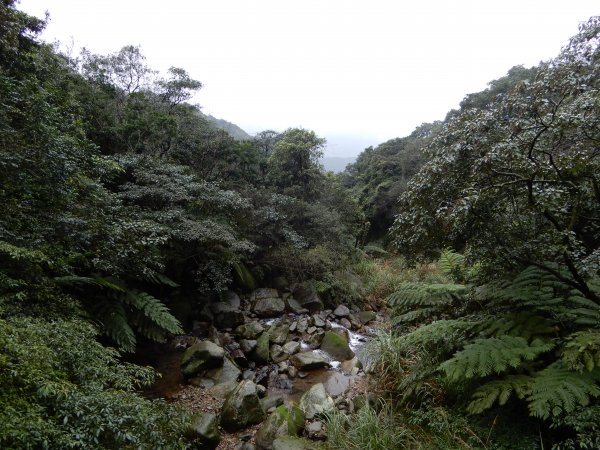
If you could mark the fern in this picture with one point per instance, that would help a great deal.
(151, 317)
(581, 351)
(492, 355)
(452, 265)
(114, 320)
(499, 391)
(557, 390)
(523, 324)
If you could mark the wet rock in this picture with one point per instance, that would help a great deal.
(318, 321)
(286, 420)
(341, 311)
(261, 352)
(292, 347)
(366, 316)
(356, 324)
(293, 326)
(316, 402)
(314, 341)
(341, 331)
(262, 375)
(201, 356)
(239, 357)
(278, 333)
(345, 323)
(336, 346)
(351, 366)
(242, 408)
(205, 429)
(250, 330)
(311, 330)
(293, 443)
(308, 361)
(248, 375)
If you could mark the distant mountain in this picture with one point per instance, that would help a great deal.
(336, 163)
(234, 131)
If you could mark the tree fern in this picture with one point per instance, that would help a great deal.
(499, 391)
(521, 324)
(114, 321)
(557, 390)
(492, 355)
(581, 351)
(151, 317)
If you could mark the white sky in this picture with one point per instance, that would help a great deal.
(356, 72)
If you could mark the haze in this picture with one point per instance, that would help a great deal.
(358, 73)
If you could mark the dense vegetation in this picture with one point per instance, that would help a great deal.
(509, 338)
(124, 212)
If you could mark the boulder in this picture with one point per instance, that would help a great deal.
(205, 430)
(341, 311)
(272, 401)
(227, 372)
(316, 401)
(286, 420)
(261, 293)
(233, 299)
(307, 297)
(200, 357)
(242, 408)
(277, 353)
(308, 361)
(226, 316)
(336, 346)
(318, 321)
(247, 345)
(250, 330)
(293, 306)
(223, 390)
(269, 307)
(351, 366)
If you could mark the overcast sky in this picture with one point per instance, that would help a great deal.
(356, 72)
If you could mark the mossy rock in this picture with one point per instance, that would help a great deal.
(200, 357)
(336, 346)
(286, 420)
(242, 408)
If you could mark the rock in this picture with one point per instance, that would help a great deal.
(307, 297)
(242, 408)
(345, 323)
(261, 352)
(271, 401)
(266, 302)
(269, 307)
(280, 283)
(201, 356)
(292, 305)
(278, 333)
(292, 347)
(248, 374)
(280, 381)
(226, 316)
(351, 366)
(239, 357)
(308, 361)
(311, 330)
(250, 330)
(201, 382)
(245, 446)
(261, 390)
(224, 389)
(315, 401)
(366, 316)
(286, 420)
(341, 311)
(336, 346)
(233, 299)
(247, 345)
(314, 341)
(318, 321)
(356, 324)
(205, 429)
(293, 443)
(228, 372)
(277, 353)
(302, 325)
(341, 331)
(315, 431)
(293, 326)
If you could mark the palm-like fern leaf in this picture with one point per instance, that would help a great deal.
(492, 355)
(499, 391)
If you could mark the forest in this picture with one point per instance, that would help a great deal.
(133, 225)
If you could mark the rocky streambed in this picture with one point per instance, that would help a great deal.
(261, 371)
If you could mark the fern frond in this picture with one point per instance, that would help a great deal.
(437, 337)
(75, 280)
(581, 351)
(492, 355)
(557, 390)
(159, 278)
(412, 295)
(452, 265)
(524, 324)
(152, 313)
(113, 317)
(499, 391)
